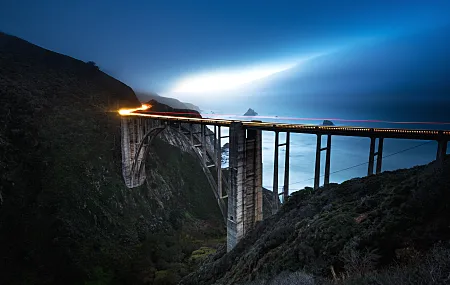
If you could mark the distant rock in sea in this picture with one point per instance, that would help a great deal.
(327, 123)
(250, 112)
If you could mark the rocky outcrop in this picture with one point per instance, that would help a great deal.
(327, 123)
(250, 112)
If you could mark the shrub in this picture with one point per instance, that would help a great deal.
(432, 269)
(286, 278)
(92, 64)
(100, 277)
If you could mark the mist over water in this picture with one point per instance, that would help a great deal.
(399, 81)
(346, 152)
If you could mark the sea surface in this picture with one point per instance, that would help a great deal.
(349, 155)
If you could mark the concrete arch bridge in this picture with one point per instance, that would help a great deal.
(240, 196)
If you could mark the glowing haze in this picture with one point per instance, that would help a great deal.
(227, 80)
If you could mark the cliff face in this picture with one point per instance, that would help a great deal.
(359, 228)
(65, 214)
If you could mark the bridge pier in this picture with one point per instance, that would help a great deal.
(327, 162)
(275, 175)
(132, 135)
(215, 142)
(286, 169)
(378, 154)
(218, 143)
(203, 142)
(441, 150)
(285, 193)
(319, 149)
(245, 193)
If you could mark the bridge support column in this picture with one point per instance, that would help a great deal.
(245, 194)
(286, 169)
(203, 142)
(317, 168)
(253, 180)
(219, 162)
(327, 161)
(378, 154)
(371, 156)
(215, 142)
(132, 134)
(441, 151)
(275, 175)
(319, 149)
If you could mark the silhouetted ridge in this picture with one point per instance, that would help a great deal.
(163, 109)
(174, 103)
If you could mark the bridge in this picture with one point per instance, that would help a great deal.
(240, 196)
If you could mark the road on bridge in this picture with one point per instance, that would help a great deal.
(402, 133)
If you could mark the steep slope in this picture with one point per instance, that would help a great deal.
(65, 214)
(157, 107)
(349, 229)
(172, 102)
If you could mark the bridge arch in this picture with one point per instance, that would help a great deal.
(141, 154)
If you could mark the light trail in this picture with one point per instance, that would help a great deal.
(145, 107)
(331, 119)
(297, 128)
(129, 111)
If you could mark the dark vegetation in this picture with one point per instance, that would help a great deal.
(66, 216)
(92, 64)
(172, 102)
(165, 110)
(391, 228)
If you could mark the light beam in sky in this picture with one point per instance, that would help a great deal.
(231, 79)
(226, 80)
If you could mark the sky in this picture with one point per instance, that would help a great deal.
(383, 60)
(166, 46)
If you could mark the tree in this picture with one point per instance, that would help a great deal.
(93, 64)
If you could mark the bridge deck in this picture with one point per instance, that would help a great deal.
(313, 129)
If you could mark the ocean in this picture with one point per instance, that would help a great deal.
(349, 155)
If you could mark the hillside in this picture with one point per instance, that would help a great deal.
(66, 216)
(172, 102)
(163, 109)
(391, 228)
